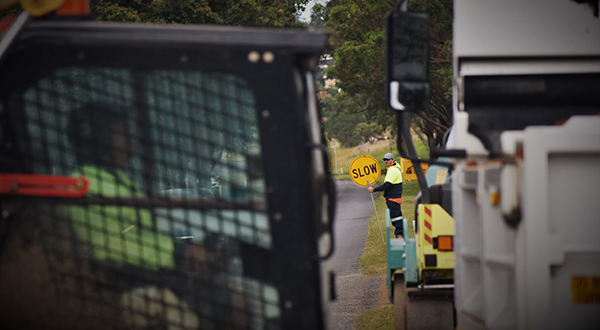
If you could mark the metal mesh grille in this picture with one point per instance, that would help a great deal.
(176, 192)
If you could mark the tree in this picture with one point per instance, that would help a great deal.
(347, 127)
(436, 120)
(319, 15)
(358, 49)
(368, 130)
(342, 127)
(267, 13)
(270, 13)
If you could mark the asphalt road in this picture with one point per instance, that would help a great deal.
(355, 293)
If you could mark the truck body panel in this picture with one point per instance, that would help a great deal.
(526, 111)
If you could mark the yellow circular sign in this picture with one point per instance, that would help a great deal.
(365, 168)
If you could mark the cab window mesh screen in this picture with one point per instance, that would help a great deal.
(174, 163)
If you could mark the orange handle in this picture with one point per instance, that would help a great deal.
(43, 185)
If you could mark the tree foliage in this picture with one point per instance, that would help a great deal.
(266, 13)
(438, 117)
(340, 126)
(348, 128)
(271, 13)
(358, 49)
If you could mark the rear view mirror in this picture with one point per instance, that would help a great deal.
(408, 60)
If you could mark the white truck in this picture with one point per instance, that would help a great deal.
(525, 199)
(525, 181)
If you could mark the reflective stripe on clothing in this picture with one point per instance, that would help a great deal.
(396, 200)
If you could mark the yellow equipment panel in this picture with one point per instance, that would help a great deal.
(433, 222)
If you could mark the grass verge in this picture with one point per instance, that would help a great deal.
(376, 319)
(373, 260)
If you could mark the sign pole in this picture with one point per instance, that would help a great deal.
(377, 216)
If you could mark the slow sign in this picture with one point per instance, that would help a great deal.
(365, 168)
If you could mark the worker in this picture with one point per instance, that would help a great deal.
(392, 191)
(122, 239)
(101, 137)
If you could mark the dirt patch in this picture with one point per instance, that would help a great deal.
(382, 293)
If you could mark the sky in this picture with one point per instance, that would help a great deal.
(305, 17)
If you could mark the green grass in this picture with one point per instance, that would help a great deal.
(421, 149)
(376, 319)
(373, 260)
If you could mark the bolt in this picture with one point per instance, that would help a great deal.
(253, 56)
(268, 57)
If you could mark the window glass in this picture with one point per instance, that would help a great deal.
(205, 139)
(176, 190)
